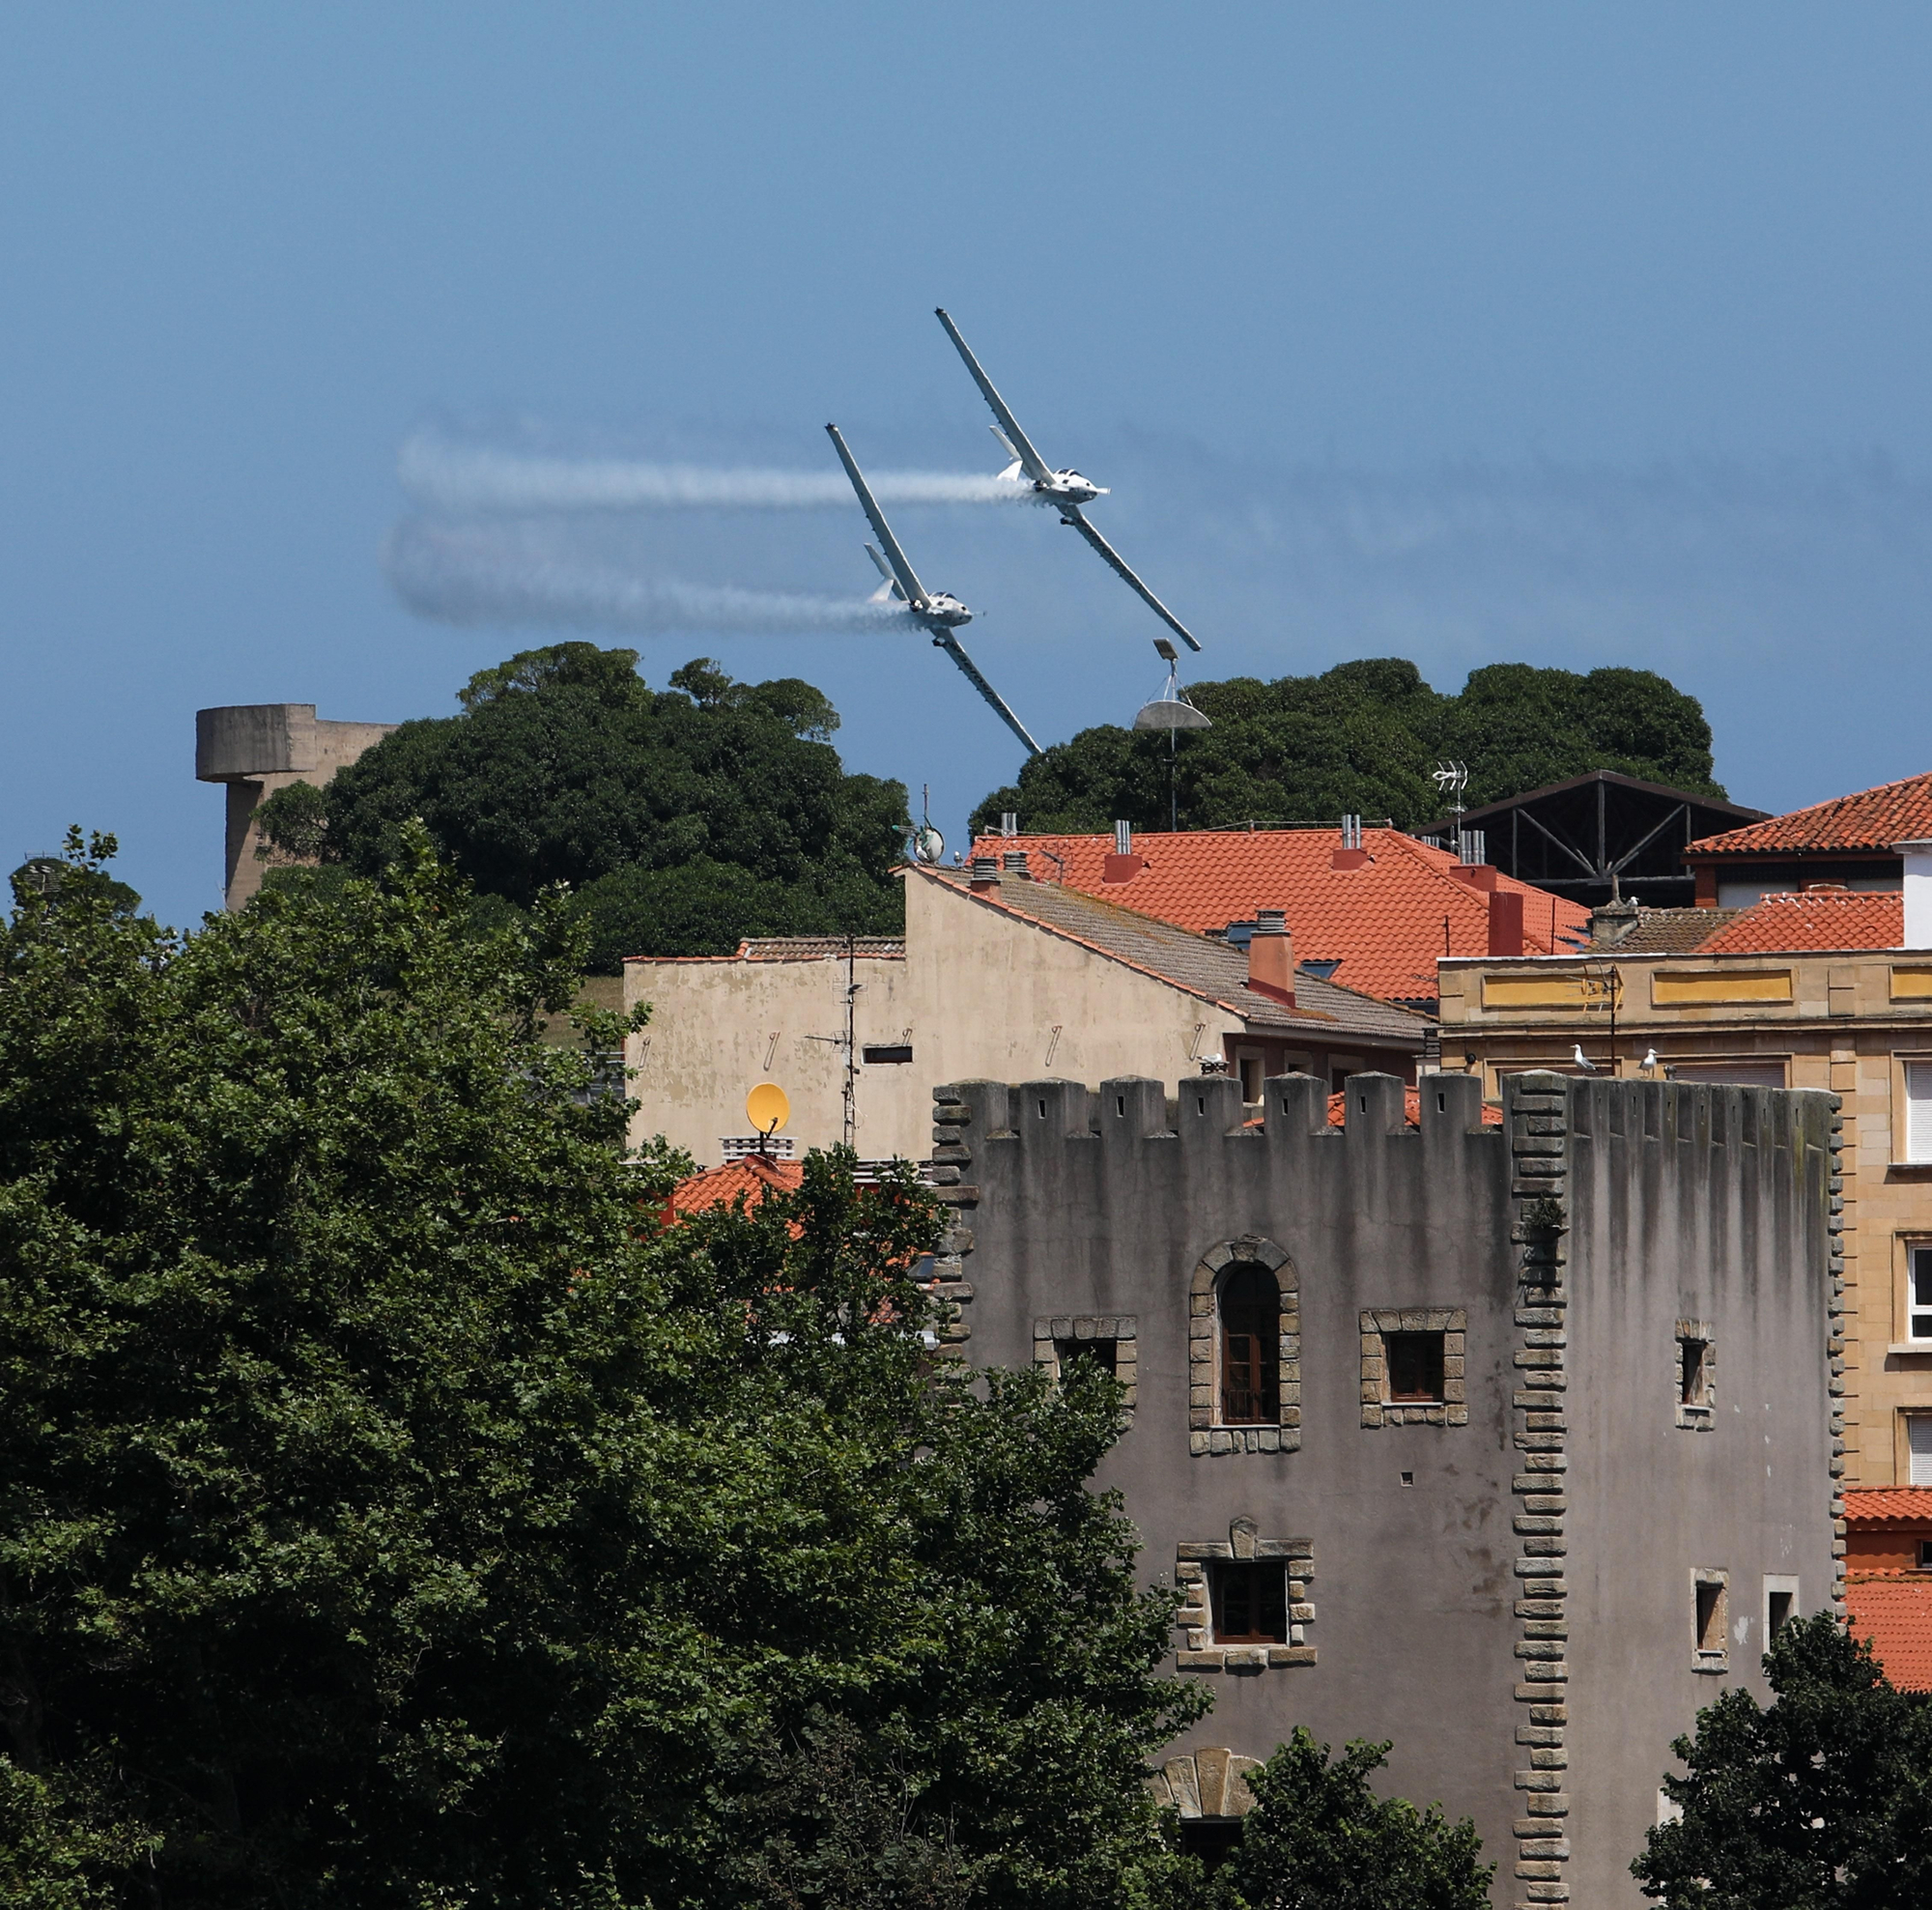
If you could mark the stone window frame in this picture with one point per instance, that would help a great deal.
(1206, 1433)
(1719, 1661)
(1123, 1328)
(1452, 1324)
(1209, 1781)
(1194, 1620)
(1703, 1416)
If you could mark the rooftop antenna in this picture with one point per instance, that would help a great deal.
(1451, 779)
(1171, 710)
(925, 845)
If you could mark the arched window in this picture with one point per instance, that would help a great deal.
(1250, 1310)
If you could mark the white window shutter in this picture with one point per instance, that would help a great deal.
(1919, 1435)
(1918, 1110)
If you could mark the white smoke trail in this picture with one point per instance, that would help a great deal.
(469, 477)
(513, 574)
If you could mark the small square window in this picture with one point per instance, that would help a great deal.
(1777, 1613)
(1414, 1367)
(1103, 1354)
(1925, 1555)
(1694, 1374)
(1210, 1840)
(1250, 1603)
(1919, 1294)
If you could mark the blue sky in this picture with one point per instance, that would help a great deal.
(1578, 335)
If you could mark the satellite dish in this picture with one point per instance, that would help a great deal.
(767, 1109)
(1170, 710)
(926, 844)
(1169, 713)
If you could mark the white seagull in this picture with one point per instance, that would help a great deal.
(1581, 1060)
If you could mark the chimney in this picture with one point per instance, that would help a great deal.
(1476, 874)
(1010, 822)
(1123, 866)
(1613, 923)
(1014, 862)
(985, 874)
(1918, 894)
(1506, 922)
(1271, 956)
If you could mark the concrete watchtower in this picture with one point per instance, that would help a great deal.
(259, 748)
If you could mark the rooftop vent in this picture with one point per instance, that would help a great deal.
(1014, 863)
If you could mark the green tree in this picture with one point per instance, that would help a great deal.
(396, 1512)
(1820, 1801)
(681, 820)
(1361, 739)
(1319, 1839)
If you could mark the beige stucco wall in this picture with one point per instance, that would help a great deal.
(985, 998)
(1850, 1022)
(719, 1027)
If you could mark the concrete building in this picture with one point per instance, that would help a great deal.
(998, 975)
(1506, 1442)
(257, 749)
(1824, 988)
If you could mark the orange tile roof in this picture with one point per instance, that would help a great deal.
(1896, 1615)
(1383, 924)
(719, 1186)
(1870, 820)
(1814, 919)
(1878, 1505)
(1411, 1110)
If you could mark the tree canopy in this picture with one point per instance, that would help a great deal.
(1319, 1839)
(1361, 739)
(396, 1512)
(681, 819)
(1820, 1801)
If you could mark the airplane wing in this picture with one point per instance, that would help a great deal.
(914, 589)
(945, 639)
(1071, 514)
(1017, 442)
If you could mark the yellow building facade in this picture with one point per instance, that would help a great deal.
(1857, 1022)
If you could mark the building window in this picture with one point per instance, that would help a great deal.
(1925, 1555)
(1780, 1606)
(1110, 1341)
(1212, 1840)
(1919, 1294)
(1694, 1374)
(886, 1054)
(1250, 1602)
(1413, 1366)
(1251, 1079)
(1103, 1354)
(1244, 1601)
(1710, 1619)
(1243, 1351)
(1919, 1449)
(1250, 1347)
(1918, 1110)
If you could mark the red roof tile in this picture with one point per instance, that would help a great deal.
(1871, 819)
(1814, 919)
(1385, 924)
(1411, 1110)
(719, 1186)
(1896, 1615)
(1876, 1505)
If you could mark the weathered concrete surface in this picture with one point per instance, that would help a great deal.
(1434, 1604)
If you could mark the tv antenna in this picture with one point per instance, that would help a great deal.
(1451, 779)
(924, 845)
(1173, 711)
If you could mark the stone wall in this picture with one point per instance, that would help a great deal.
(1452, 1555)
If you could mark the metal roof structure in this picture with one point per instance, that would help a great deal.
(1598, 835)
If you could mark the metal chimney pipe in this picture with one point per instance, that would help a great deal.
(1124, 838)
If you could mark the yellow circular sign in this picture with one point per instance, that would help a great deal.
(767, 1109)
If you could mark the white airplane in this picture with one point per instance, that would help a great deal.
(935, 612)
(1065, 490)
